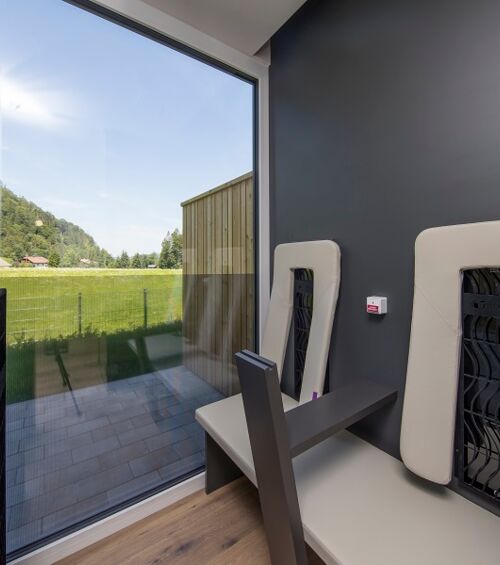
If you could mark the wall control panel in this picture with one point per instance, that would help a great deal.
(376, 305)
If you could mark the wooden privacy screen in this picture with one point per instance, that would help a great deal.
(218, 277)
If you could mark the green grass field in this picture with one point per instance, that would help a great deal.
(59, 303)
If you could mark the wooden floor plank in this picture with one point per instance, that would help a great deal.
(222, 528)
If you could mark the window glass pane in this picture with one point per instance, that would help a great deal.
(129, 286)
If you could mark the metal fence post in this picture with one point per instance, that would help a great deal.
(79, 313)
(145, 308)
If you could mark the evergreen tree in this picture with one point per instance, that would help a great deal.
(176, 249)
(137, 261)
(70, 258)
(123, 262)
(107, 260)
(171, 251)
(165, 260)
(54, 259)
(152, 259)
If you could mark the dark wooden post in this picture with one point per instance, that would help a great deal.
(273, 464)
(219, 468)
(3, 391)
(79, 313)
(145, 301)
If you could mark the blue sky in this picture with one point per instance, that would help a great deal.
(110, 130)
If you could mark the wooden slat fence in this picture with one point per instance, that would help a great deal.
(218, 289)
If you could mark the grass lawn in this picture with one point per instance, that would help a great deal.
(58, 303)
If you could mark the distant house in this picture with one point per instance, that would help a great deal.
(4, 264)
(152, 266)
(86, 262)
(34, 261)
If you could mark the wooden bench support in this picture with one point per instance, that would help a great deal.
(273, 465)
(276, 437)
(220, 470)
(313, 422)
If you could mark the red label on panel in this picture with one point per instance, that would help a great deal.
(372, 308)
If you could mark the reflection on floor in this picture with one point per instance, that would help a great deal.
(72, 455)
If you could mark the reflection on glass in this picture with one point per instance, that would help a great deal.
(97, 416)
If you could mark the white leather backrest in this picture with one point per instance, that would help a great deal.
(323, 258)
(428, 424)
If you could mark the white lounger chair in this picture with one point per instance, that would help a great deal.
(351, 502)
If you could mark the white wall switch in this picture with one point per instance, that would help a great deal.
(376, 305)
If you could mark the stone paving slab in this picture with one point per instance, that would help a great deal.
(76, 454)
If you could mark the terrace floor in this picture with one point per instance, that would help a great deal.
(75, 454)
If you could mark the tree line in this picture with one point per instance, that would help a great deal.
(28, 230)
(170, 256)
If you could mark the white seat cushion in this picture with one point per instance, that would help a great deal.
(225, 423)
(360, 506)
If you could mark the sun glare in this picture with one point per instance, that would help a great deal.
(18, 103)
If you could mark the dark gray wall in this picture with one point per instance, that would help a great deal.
(385, 120)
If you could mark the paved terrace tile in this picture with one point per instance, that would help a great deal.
(76, 454)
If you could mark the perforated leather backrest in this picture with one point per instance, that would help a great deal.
(428, 424)
(323, 258)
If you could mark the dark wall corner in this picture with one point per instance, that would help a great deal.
(384, 121)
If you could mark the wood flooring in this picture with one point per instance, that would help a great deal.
(224, 528)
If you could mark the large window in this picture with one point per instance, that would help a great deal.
(127, 250)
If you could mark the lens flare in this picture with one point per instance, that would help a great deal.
(17, 103)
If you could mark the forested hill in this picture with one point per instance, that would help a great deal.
(26, 229)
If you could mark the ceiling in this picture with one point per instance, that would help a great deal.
(245, 25)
